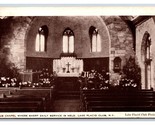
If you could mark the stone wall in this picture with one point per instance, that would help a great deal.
(121, 44)
(13, 30)
(146, 26)
(121, 39)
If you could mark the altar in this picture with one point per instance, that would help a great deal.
(68, 69)
(68, 66)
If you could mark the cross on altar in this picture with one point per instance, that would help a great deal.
(68, 64)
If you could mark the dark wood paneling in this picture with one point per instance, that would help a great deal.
(96, 63)
(37, 63)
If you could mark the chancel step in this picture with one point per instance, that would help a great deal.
(68, 94)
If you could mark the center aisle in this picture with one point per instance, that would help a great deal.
(67, 101)
(67, 105)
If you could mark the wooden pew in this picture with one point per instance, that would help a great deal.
(21, 106)
(120, 106)
(22, 103)
(26, 99)
(105, 100)
(45, 92)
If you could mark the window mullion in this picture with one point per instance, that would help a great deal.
(39, 42)
(68, 44)
(96, 43)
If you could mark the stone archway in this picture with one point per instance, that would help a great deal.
(146, 59)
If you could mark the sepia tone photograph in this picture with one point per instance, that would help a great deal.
(77, 64)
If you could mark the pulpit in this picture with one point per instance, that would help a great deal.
(26, 76)
(30, 76)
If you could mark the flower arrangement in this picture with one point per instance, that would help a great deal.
(46, 78)
(9, 73)
(25, 84)
(128, 83)
(131, 77)
(94, 80)
(8, 82)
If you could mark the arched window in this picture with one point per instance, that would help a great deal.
(146, 58)
(68, 41)
(95, 39)
(117, 64)
(148, 49)
(41, 39)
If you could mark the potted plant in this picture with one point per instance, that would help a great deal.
(131, 77)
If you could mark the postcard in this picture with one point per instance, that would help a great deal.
(77, 62)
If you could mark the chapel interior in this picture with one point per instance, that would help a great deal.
(77, 63)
